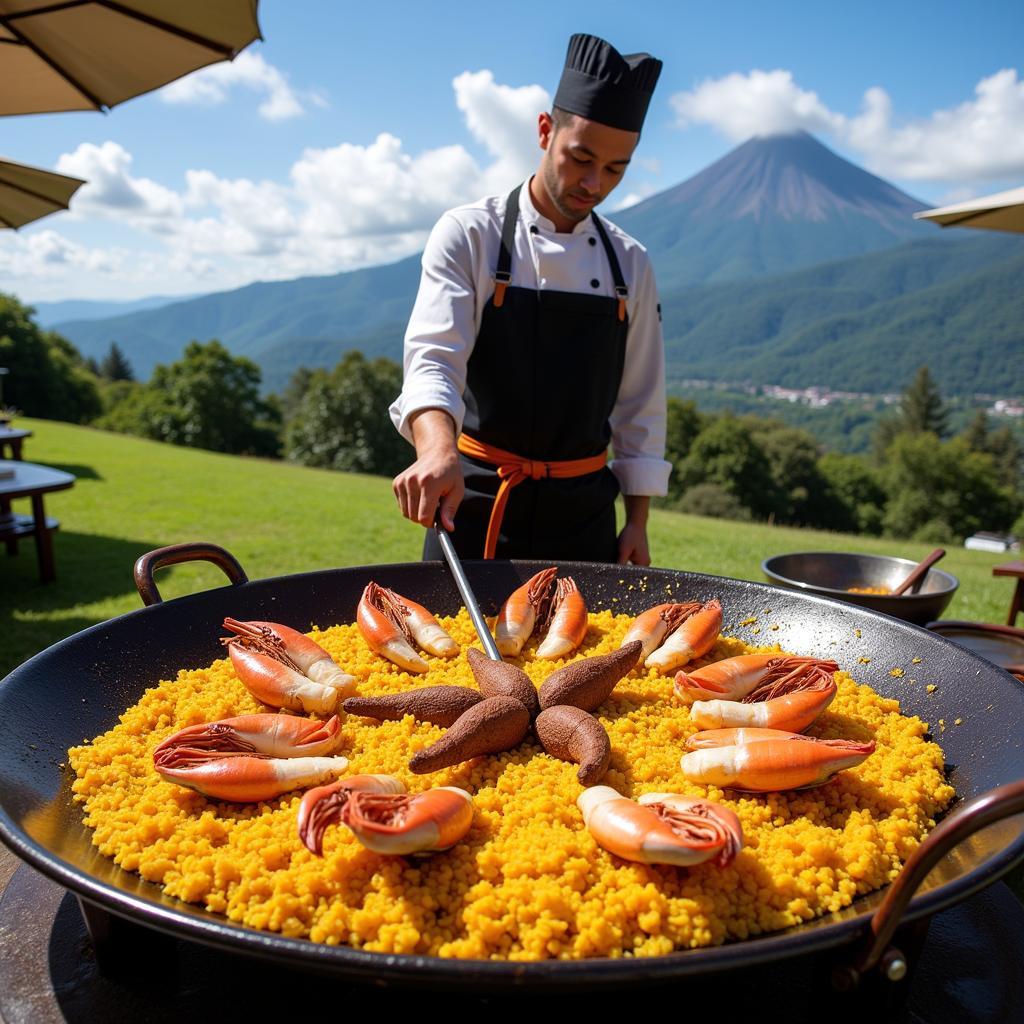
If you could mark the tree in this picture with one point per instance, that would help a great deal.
(855, 499)
(1002, 444)
(115, 365)
(792, 457)
(724, 453)
(921, 411)
(48, 377)
(342, 420)
(208, 399)
(942, 492)
(713, 501)
(1008, 455)
(683, 424)
(976, 434)
(291, 397)
(921, 407)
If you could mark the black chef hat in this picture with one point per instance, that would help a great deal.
(598, 83)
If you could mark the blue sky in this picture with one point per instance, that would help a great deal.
(336, 142)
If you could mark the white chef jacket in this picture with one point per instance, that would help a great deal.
(458, 280)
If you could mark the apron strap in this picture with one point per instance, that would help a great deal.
(503, 274)
(620, 283)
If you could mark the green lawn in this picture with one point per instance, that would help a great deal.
(132, 496)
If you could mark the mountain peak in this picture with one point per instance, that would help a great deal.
(791, 176)
(777, 202)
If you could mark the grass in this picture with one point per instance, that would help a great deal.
(132, 496)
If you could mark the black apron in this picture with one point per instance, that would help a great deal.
(542, 382)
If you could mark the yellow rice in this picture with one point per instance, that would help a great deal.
(528, 882)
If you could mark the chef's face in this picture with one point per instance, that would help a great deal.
(582, 162)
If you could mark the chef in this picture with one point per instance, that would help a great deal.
(535, 342)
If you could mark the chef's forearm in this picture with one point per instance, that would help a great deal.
(637, 508)
(433, 431)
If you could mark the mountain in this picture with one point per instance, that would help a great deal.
(281, 315)
(862, 324)
(50, 313)
(781, 262)
(774, 203)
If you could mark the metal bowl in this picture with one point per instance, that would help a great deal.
(832, 573)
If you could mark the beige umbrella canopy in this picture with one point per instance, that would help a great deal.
(1003, 211)
(28, 193)
(90, 54)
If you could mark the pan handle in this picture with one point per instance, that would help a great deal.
(986, 809)
(194, 551)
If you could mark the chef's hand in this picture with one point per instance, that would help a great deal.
(633, 539)
(435, 478)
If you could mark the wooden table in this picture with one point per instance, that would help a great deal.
(12, 438)
(32, 482)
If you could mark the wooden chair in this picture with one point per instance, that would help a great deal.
(1003, 645)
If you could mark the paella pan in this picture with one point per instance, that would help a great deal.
(79, 687)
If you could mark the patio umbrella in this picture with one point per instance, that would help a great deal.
(1003, 211)
(28, 193)
(91, 54)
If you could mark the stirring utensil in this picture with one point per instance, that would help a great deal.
(918, 572)
(466, 592)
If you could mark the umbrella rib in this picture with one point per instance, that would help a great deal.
(166, 26)
(36, 195)
(33, 12)
(77, 86)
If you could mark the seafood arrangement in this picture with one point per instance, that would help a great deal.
(624, 706)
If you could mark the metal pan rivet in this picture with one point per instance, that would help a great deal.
(894, 966)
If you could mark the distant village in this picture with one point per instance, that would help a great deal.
(818, 397)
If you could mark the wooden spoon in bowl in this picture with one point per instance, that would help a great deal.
(918, 572)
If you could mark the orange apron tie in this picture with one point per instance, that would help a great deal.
(514, 469)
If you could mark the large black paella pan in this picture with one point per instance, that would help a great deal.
(77, 688)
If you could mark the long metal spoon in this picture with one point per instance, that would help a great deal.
(918, 572)
(466, 591)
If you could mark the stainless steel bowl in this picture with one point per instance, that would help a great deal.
(832, 573)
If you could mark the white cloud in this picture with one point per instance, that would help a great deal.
(352, 190)
(759, 103)
(631, 198)
(47, 255)
(981, 138)
(210, 87)
(342, 207)
(111, 191)
(504, 120)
